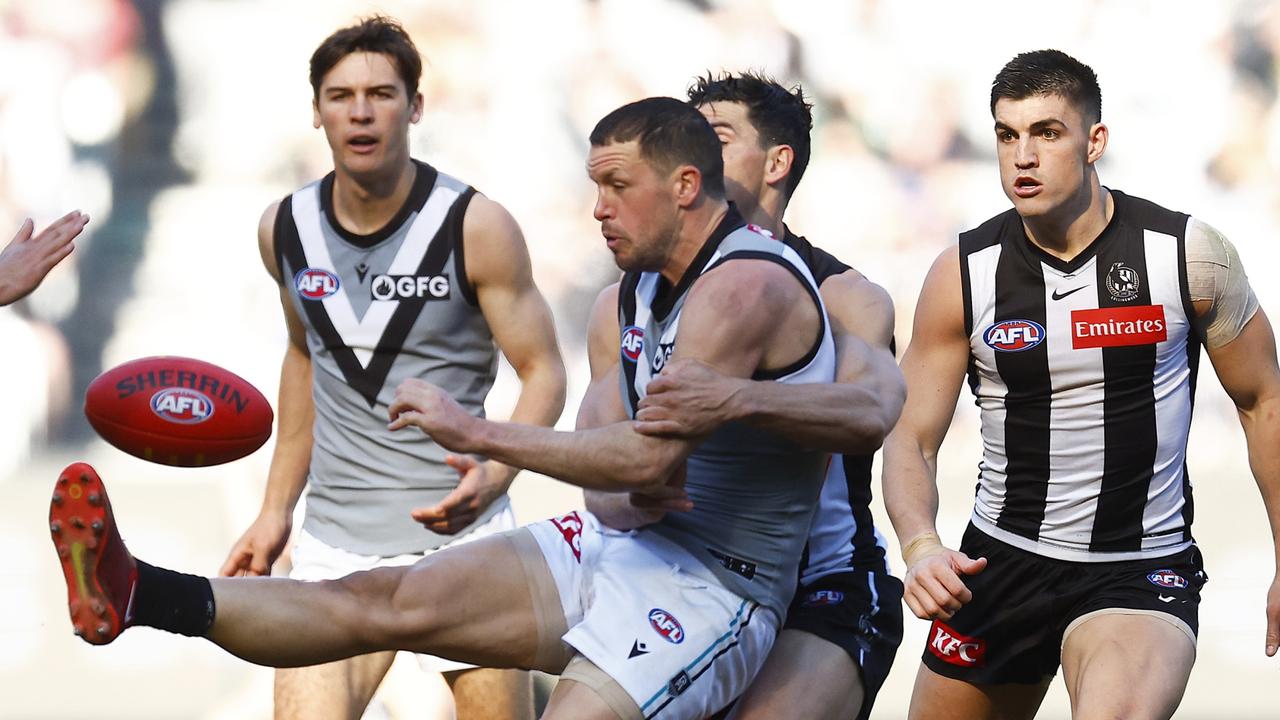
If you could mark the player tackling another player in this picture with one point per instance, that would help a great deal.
(1077, 318)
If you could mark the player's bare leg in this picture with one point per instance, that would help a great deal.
(491, 694)
(289, 623)
(1125, 665)
(575, 701)
(937, 697)
(332, 691)
(804, 677)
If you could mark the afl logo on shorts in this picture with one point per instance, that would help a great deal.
(182, 406)
(1167, 579)
(820, 598)
(632, 342)
(315, 284)
(1014, 335)
(666, 625)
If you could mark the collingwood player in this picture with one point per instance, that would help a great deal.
(1077, 317)
(845, 623)
(389, 269)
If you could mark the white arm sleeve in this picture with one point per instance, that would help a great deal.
(1215, 273)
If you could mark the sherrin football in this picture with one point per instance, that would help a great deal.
(178, 411)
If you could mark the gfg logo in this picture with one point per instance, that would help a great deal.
(182, 405)
(663, 355)
(315, 283)
(666, 625)
(393, 287)
(1014, 335)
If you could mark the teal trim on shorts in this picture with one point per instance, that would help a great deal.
(737, 620)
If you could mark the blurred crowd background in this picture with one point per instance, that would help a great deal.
(173, 123)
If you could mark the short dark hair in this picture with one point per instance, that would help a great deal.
(671, 133)
(780, 116)
(376, 34)
(1049, 72)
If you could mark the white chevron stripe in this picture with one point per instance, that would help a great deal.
(362, 335)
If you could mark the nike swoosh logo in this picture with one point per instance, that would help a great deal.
(1056, 296)
(1165, 599)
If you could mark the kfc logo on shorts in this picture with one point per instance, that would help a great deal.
(820, 598)
(632, 342)
(1114, 327)
(950, 646)
(570, 527)
(1167, 578)
(315, 283)
(666, 625)
(1014, 335)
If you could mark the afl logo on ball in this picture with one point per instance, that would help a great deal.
(666, 625)
(632, 342)
(1014, 335)
(182, 406)
(315, 284)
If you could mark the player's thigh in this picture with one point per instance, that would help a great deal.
(332, 691)
(804, 677)
(937, 697)
(473, 603)
(1127, 664)
(491, 694)
(572, 700)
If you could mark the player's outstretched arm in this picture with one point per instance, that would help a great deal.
(853, 415)
(262, 543)
(26, 259)
(1248, 371)
(498, 268)
(934, 367)
(730, 321)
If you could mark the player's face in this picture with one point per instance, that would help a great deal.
(365, 112)
(1046, 148)
(744, 157)
(635, 205)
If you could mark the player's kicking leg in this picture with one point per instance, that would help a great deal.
(471, 603)
(1132, 666)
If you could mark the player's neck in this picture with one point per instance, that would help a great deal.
(364, 204)
(1067, 232)
(767, 214)
(696, 226)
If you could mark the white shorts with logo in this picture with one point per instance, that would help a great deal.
(652, 618)
(314, 560)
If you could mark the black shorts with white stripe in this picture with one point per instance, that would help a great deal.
(859, 611)
(1023, 604)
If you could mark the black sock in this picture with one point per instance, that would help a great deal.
(173, 601)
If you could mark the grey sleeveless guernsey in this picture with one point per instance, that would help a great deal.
(379, 309)
(753, 493)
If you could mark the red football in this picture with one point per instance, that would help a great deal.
(178, 411)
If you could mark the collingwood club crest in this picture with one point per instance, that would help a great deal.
(1122, 282)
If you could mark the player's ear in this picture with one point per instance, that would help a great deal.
(415, 108)
(1098, 135)
(687, 185)
(315, 113)
(778, 162)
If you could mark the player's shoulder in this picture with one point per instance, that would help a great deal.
(821, 263)
(990, 232)
(1142, 213)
